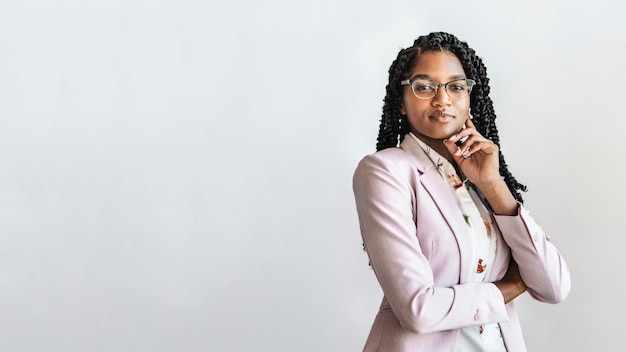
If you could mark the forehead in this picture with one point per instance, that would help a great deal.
(435, 64)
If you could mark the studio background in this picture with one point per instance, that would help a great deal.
(176, 174)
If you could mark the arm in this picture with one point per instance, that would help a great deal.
(511, 284)
(541, 267)
(502, 202)
(383, 195)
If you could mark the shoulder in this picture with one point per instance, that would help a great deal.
(388, 163)
(388, 158)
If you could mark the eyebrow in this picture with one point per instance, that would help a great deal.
(451, 78)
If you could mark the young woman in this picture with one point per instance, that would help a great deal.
(441, 216)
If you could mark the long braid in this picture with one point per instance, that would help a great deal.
(394, 126)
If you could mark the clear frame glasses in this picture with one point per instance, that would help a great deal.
(424, 88)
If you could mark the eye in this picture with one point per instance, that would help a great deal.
(423, 86)
(457, 86)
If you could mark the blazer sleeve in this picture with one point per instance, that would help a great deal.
(383, 193)
(541, 266)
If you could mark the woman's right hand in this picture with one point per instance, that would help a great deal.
(511, 285)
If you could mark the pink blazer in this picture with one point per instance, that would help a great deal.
(416, 240)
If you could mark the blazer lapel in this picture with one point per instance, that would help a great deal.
(435, 185)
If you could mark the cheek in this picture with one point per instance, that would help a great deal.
(464, 108)
(416, 107)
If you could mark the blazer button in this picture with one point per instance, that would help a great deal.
(476, 316)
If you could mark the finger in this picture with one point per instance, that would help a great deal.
(451, 146)
(462, 151)
(475, 145)
(457, 152)
(464, 148)
(460, 136)
(468, 129)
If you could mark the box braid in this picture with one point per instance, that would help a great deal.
(394, 126)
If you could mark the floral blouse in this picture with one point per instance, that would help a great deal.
(479, 221)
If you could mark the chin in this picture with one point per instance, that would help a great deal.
(447, 134)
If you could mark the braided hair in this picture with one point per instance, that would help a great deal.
(394, 126)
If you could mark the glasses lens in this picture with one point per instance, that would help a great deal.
(459, 88)
(424, 88)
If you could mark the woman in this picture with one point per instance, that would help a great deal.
(442, 218)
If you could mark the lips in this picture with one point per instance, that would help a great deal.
(441, 116)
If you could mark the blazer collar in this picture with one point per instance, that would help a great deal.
(420, 159)
(439, 190)
(435, 185)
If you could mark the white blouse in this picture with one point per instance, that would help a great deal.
(478, 218)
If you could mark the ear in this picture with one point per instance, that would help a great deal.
(402, 109)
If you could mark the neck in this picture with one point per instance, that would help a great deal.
(437, 145)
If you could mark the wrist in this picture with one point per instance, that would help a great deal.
(499, 197)
(510, 289)
(487, 183)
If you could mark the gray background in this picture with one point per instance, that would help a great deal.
(176, 174)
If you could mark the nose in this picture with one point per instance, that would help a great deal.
(441, 98)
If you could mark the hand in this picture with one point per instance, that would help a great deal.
(479, 160)
(477, 157)
(511, 285)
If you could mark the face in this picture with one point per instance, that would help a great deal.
(440, 116)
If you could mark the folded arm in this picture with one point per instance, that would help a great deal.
(384, 206)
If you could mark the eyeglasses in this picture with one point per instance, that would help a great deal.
(427, 88)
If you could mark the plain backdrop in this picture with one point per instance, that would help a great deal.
(175, 175)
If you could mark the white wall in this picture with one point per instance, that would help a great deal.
(176, 174)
